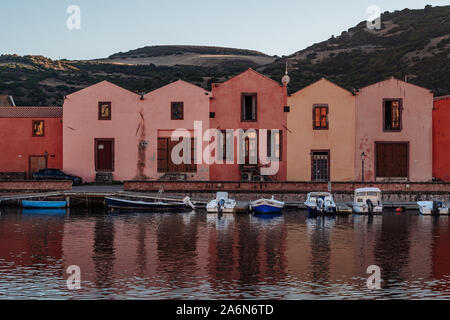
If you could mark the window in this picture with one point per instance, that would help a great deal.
(392, 114)
(320, 117)
(38, 128)
(177, 112)
(104, 111)
(165, 163)
(274, 139)
(249, 106)
(320, 165)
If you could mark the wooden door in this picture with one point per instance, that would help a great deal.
(165, 163)
(104, 149)
(320, 165)
(392, 160)
(36, 163)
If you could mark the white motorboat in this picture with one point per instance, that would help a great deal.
(222, 204)
(267, 206)
(367, 200)
(320, 203)
(432, 207)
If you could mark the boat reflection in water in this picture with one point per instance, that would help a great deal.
(44, 212)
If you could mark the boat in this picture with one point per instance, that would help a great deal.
(320, 203)
(44, 212)
(44, 204)
(267, 206)
(367, 200)
(432, 207)
(221, 204)
(158, 206)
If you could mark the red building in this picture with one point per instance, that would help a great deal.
(30, 137)
(441, 138)
(250, 100)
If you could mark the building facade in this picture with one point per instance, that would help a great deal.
(441, 139)
(321, 136)
(257, 105)
(181, 107)
(393, 132)
(101, 133)
(111, 133)
(31, 139)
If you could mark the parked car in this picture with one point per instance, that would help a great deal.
(55, 174)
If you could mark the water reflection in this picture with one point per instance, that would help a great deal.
(195, 255)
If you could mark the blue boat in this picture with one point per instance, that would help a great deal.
(267, 206)
(44, 212)
(44, 204)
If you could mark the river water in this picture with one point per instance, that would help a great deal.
(196, 256)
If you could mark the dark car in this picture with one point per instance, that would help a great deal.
(55, 174)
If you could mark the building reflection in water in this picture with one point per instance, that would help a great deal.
(176, 240)
(30, 240)
(238, 256)
(441, 253)
(392, 250)
(104, 251)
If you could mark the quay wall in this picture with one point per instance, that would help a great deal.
(293, 191)
(34, 186)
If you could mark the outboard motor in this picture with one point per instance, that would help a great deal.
(320, 204)
(188, 202)
(220, 206)
(436, 206)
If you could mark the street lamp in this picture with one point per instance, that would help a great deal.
(363, 158)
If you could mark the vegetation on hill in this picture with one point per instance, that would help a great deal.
(412, 43)
(156, 51)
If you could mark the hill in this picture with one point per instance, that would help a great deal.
(187, 55)
(411, 43)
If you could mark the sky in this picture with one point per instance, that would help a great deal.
(276, 27)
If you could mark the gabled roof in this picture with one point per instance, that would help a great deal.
(104, 82)
(31, 112)
(249, 70)
(179, 82)
(395, 79)
(322, 80)
(441, 98)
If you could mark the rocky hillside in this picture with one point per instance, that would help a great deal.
(411, 43)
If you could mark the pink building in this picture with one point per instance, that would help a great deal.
(101, 133)
(113, 134)
(250, 100)
(394, 132)
(176, 106)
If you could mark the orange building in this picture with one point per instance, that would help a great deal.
(441, 138)
(257, 105)
(31, 137)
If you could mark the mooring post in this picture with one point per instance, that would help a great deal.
(68, 201)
